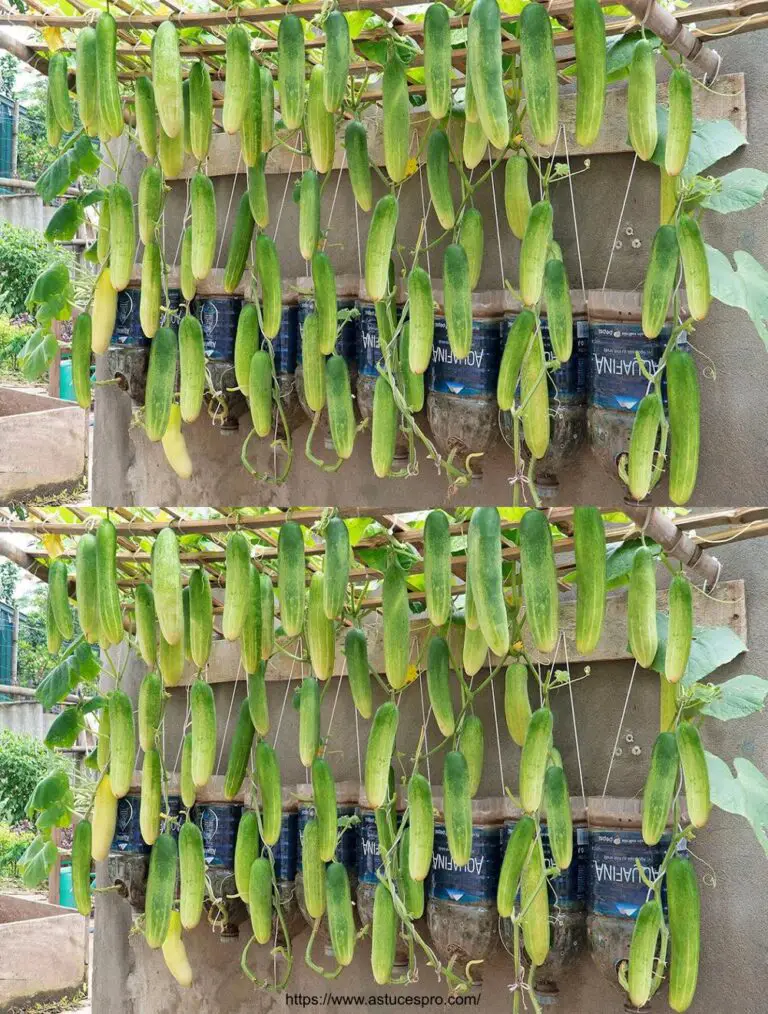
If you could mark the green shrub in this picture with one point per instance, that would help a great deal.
(13, 337)
(23, 255)
(23, 762)
(13, 844)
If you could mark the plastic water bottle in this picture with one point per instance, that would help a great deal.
(461, 900)
(461, 393)
(615, 381)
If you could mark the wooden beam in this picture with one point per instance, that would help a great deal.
(727, 610)
(727, 102)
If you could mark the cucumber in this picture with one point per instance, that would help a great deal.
(319, 630)
(290, 577)
(641, 608)
(104, 819)
(695, 773)
(58, 593)
(309, 213)
(695, 267)
(268, 272)
(591, 69)
(237, 89)
(110, 106)
(267, 616)
(484, 63)
(517, 705)
(641, 101)
(151, 290)
(356, 145)
(680, 124)
(260, 392)
(151, 797)
(457, 807)
(421, 827)
(383, 935)
(660, 280)
(384, 427)
(557, 296)
(81, 867)
(324, 797)
(203, 725)
(474, 144)
(534, 397)
(200, 616)
(534, 252)
(239, 245)
(166, 79)
(642, 953)
(203, 214)
(166, 585)
(660, 786)
(314, 365)
(268, 781)
(378, 248)
(150, 710)
(58, 89)
(191, 368)
(122, 236)
(86, 81)
(472, 745)
(260, 899)
(396, 625)
(559, 822)
(290, 70)
(684, 931)
(533, 759)
(238, 570)
(309, 720)
(437, 60)
(438, 686)
(641, 462)
(257, 193)
(516, 853)
(324, 286)
(539, 69)
(107, 595)
(683, 410)
(161, 889)
(680, 632)
(82, 338)
(534, 904)
(257, 699)
(338, 52)
(515, 348)
(485, 570)
(422, 320)
(146, 115)
(313, 871)
(517, 198)
(397, 120)
(320, 124)
(191, 874)
(250, 635)
(341, 921)
(591, 578)
(378, 755)
(471, 238)
(438, 178)
(146, 623)
(86, 586)
(437, 567)
(239, 752)
(358, 671)
(247, 849)
(122, 743)
(335, 567)
(457, 298)
(267, 110)
(200, 110)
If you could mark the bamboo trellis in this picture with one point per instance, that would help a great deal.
(721, 19)
(686, 538)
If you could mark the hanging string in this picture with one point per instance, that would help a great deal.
(335, 702)
(229, 713)
(424, 213)
(336, 191)
(229, 206)
(621, 723)
(183, 733)
(496, 217)
(424, 721)
(285, 698)
(357, 742)
(618, 224)
(357, 231)
(498, 737)
(575, 217)
(285, 194)
(573, 718)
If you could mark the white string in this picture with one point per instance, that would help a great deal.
(357, 231)
(621, 723)
(333, 709)
(424, 720)
(618, 224)
(183, 734)
(357, 741)
(285, 698)
(336, 191)
(424, 213)
(229, 207)
(181, 231)
(285, 192)
(496, 217)
(498, 737)
(573, 718)
(575, 219)
(229, 714)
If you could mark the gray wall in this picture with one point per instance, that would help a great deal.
(130, 979)
(26, 717)
(732, 360)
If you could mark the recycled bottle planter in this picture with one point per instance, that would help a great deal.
(368, 864)
(461, 393)
(615, 382)
(346, 343)
(218, 820)
(285, 854)
(285, 347)
(218, 313)
(128, 862)
(567, 901)
(461, 900)
(567, 402)
(615, 892)
(176, 815)
(128, 353)
(346, 851)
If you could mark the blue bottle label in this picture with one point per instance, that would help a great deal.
(218, 823)
(285, 849)
(568, 889)
(473, 377)
(285, 345)
(127, 838)
(475, 883)
(128, 330)
(346, 850)
(615, 888)
(218, 317)
(615, 378)
(346, 343)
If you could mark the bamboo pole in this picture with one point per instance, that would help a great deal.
(676, 36)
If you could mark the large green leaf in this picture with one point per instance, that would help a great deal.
(65, 222)
(737, 191)
(711, 141)
(737, 698)
(745, 795)
(619, 562)
(38, 354)
(37, 861)
(65, 729)
(81, 158)
(746, 287)
(711, 648)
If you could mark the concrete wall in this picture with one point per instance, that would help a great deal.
(131, 979)
(732, 361)
(25, 210)
(25, 717)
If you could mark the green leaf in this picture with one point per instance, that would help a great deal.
(38, 354)
(745, 795)
(620, 52)
(737, 191)
(37, 861)
(65, 222)
(711, 648)
(357, 527)
(55, 687)
(79, 159)
(746, 287)
(712, 140)
(54, 281)
(85, 666)
(737, 698)
(49, 791)
(619, 561)
(65, 729)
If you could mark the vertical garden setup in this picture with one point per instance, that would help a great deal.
(400, 261)
(427, 682)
